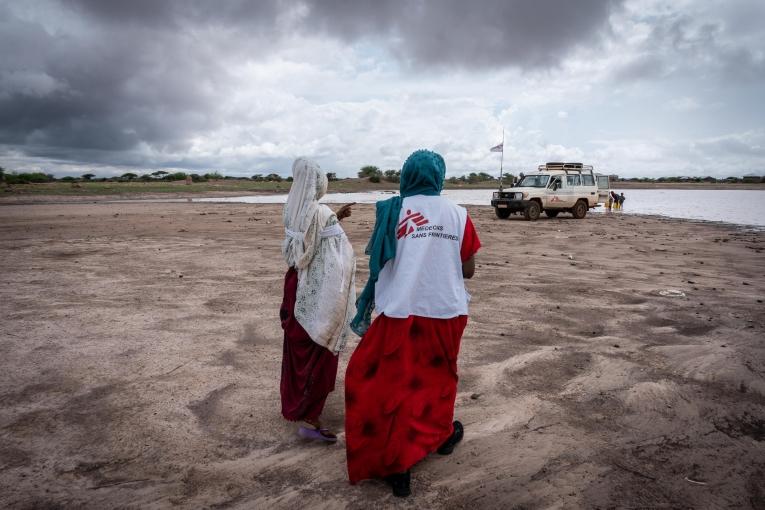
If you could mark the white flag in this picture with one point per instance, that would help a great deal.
(498, 148)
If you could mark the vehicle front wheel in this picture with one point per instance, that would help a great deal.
(532, 211)
(551, 213)
(580, 210)
(502, 214)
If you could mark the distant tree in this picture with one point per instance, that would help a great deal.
(331, 176)
(289, 179)
(212, 176)
(176, 176)
(274, 177)
(508, 178)
(146, 178)
(159, 174)
(257, 177)
(369, 171)
(88, 177)
(374, 178)
(197, 178)
(393, 175)
(452, 180)
(128, 176)
(2, 174)
(483, 176)
(68, 178)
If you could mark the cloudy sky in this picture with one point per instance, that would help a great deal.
(635, 87)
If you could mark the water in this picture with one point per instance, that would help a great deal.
(742, 207)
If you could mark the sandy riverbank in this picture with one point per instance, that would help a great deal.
(141, 351)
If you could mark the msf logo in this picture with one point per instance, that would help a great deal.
(411, 220)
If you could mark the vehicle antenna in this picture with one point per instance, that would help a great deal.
(501, 159)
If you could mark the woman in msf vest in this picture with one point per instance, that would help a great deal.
(401, 381)
(319, 294)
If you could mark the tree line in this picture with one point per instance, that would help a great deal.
(369, 172)
(159, 175)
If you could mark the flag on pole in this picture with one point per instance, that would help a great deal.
(498, 148)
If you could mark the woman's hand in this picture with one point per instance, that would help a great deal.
(344, 211)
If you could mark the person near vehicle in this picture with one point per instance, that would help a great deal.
(613, 198)
(401, 381)
(621, 200)
(318, 303)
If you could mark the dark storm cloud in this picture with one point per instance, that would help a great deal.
(142, 71)
(488, 33)
(681, 44)
(485, 34)
(100, 89)
(177, 13)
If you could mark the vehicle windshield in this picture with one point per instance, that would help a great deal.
(534, 181)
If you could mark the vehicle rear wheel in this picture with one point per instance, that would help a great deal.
(532, 211)
(580, 210)
(502, 214)
(551, 213)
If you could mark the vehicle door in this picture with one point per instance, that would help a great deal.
(572, 189)
(551, 199)
(589, 189)
(604, 187)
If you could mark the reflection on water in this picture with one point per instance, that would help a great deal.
(744, 207)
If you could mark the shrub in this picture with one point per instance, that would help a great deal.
(369, 171)
(26, 178)
(374, 178)
(393, 175)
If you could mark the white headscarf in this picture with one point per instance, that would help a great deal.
(304, 217)
(316, 245)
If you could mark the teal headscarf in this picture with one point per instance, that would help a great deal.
(422, 174)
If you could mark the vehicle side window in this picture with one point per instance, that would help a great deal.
(572, 180)
(556, 183)
(603, 182)
(588, 180)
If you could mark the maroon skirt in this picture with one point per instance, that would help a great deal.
(308, 369)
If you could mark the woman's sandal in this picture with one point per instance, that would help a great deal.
(318, 434)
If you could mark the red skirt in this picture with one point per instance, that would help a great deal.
(308, 369)
(400, 388)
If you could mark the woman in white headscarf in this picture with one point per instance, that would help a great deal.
(319, 299)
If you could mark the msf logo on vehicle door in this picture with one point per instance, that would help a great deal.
(410, 221)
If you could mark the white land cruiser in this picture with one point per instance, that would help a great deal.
(554, 188)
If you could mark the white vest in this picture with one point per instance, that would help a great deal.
(425, 277)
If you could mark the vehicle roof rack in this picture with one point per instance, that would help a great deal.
(567, 167)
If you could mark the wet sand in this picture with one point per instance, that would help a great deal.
(140, 350)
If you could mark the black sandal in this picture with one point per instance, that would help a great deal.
(400, 483)
(448, 447)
